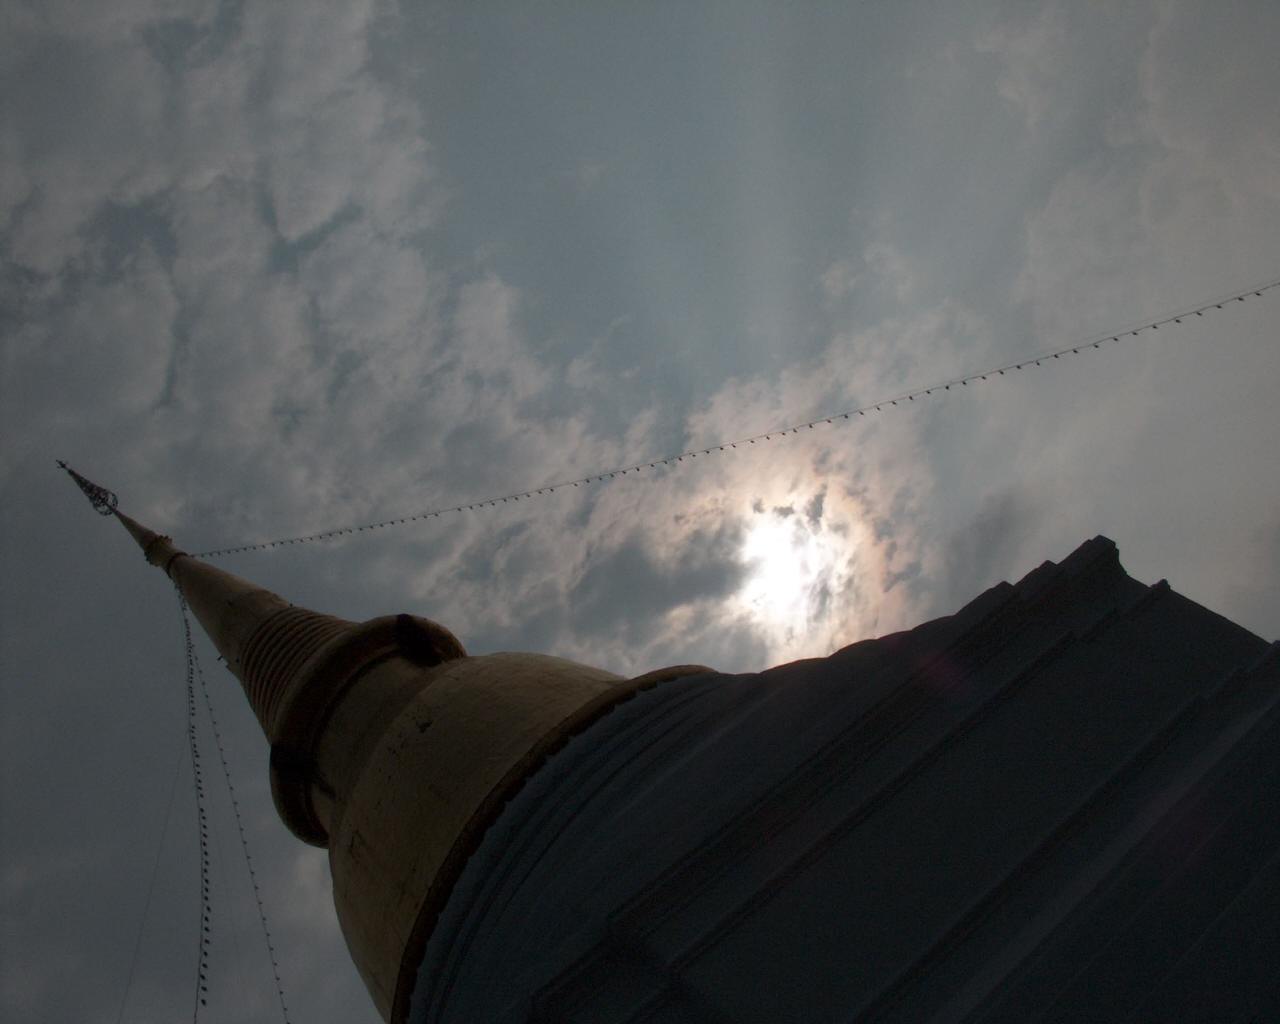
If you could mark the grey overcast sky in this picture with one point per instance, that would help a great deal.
(271, 267)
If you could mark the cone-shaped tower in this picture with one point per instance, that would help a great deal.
(390, 746)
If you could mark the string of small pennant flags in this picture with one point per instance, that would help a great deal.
(196, 680)
(202, 826)
(834, 419)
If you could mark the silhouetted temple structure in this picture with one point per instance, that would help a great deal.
(1061, 803)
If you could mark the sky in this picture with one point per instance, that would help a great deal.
(273, 268)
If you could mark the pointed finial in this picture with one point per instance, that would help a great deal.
(104, 501)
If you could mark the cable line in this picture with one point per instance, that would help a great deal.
(830, 420)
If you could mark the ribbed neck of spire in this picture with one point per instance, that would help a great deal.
(262, 637)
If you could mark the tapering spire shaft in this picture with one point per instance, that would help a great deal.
(261, 636)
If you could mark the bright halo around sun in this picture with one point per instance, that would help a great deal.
(791, 565)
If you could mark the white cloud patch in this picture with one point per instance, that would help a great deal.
(1178, 207)
(332, 133)
(83, 129)
(272, 135)
(1184, 195)
(839, 279)
(1033, 57)
(1214, 115)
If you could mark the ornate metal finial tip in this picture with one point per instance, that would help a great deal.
(104, 502)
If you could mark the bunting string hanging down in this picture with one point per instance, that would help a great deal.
(202, 823)
(833, 419)
(195, 676)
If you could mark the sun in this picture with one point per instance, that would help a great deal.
(788, 562)
(776, 581)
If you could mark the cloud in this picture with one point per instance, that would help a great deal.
(333, 134)
(1118, 226)
(881, 267)
(813, 508)
(59, 356)
(1189, 89)
(1174, 209)
(249, 145)
(628, 592)
(1033, 60)
(991, 547)
(85, 122)
(839, 280)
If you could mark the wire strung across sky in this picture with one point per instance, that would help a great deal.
(882, 405)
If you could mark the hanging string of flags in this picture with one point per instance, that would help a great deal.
(202, 822)
(196, 675)
(833, 419)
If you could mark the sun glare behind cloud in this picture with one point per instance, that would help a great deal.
(794, 568)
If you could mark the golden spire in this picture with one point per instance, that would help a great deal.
(390, 745)
(261, 636)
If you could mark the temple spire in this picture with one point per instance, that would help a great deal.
(390, 745)
(261, 636)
